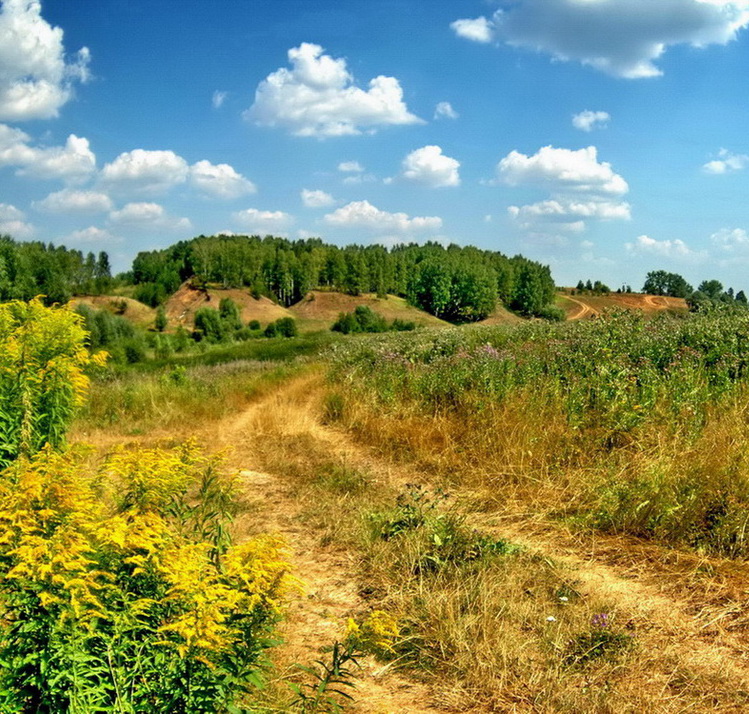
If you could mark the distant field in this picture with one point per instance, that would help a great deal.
(577, 307)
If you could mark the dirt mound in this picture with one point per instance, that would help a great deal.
(322, 308)
(579, 306)
(182, 306)
(135, 311)
(501, 316)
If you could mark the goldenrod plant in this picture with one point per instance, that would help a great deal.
(43, 363)
(120, 588)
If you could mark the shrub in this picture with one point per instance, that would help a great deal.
(160, 321)
(42, 375)
(229, 312)
(283, 327)
(133, 603)
(364, 319)
(209, 325)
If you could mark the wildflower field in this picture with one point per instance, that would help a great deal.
(531, 518)
(620, 424)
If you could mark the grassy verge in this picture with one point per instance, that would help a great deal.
(176, 399)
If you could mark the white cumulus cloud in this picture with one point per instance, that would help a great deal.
(726, 163)
(428, 166)
(218, 99)
(672, 249)
(36, 78)
(623, 38)
(318, 97)
(316, 199)
(219, 180)
(578, 171)
(72, 162)
(349, 167)
(588, 120)
(12, 222)
(478, 29)
(581, 189)
(362, 214)
(261, 223)
(75, 202)
(148, 215)
(147, 172)
(444, 110)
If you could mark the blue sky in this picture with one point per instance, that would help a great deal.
(603, 137)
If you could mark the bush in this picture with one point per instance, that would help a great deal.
(42, 375)
(364, 319)
(133, 601)
(254, 324)
(283, 327)
(229, 313)
(209, 325)
(552, 313)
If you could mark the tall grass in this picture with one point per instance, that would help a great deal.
(486, 623)
(620, 423)
(175, 399)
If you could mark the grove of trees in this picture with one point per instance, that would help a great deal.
(28, 269)
(461, 284)
(708, 292)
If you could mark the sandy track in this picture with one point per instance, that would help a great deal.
(583, 309)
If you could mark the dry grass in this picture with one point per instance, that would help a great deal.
(182, 306)
(138, 313)
(478, 631)
(320, 309)
(578, 306)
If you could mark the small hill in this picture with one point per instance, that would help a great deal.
(138, 313)
(320, 309)
(578, 307)
(182, 306)
(502, 316)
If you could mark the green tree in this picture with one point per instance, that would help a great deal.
(161, 321)
(229, 312)
(209, 325)
(711, 288)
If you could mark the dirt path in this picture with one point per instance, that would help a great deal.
(655, 302)
(318, 613)
(708, 637)
(583, 311)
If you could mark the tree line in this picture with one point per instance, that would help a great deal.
(28, 269)
(460, 284)
(661, 282)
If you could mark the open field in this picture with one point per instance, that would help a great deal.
(553, 517)
(577, 307)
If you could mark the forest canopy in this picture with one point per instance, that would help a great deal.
(460, 284)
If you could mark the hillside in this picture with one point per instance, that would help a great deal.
(182, 306)
(138, 313)
(320, 309)
(578, 307)
(502, 316)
